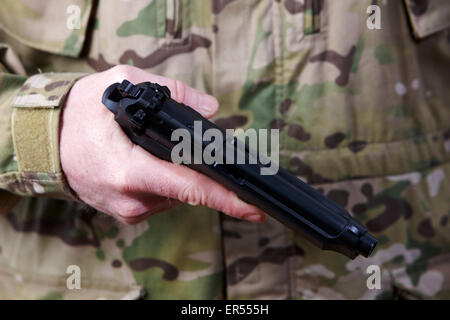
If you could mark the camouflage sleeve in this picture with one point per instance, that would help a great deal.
(29, 133)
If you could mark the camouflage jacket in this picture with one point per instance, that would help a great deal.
(363, 113)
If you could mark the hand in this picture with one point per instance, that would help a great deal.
(110, 173)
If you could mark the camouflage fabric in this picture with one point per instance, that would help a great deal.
(363, 116)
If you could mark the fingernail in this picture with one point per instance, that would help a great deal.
(255, 217)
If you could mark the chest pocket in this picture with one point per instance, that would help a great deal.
(144, 33)
(428, 16)
(55, 26)
(168, 21)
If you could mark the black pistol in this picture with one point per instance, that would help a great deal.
(149, 116)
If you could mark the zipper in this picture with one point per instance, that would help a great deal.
(311, 13)
(174, 20)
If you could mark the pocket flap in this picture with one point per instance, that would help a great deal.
(428, 16)
(56, 26)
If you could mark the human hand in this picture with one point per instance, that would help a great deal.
(110, 173)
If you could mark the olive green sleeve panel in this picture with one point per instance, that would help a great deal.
(34, 121)
(35, 139)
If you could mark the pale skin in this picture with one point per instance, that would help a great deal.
(113, 175)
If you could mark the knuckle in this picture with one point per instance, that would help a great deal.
(121, 71)
(180, 90)
(229, 206)
(192, 193)
(127, 209)
(120, 182)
